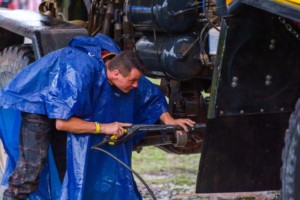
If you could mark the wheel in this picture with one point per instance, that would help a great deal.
(290, 171)
(12, 60)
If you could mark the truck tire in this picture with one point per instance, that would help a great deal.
(12, 60)
(290, 171)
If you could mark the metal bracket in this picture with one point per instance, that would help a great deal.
(47, 33)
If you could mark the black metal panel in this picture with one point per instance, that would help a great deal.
(242, 154)
(254, 89)
(283, 8)
(8, 38)
(47, 33)
(259, 67)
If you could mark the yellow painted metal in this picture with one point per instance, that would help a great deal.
(292, 3)
(229, 2)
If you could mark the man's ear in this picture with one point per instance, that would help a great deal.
(115, 73)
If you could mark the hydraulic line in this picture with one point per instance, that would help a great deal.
(134, 172)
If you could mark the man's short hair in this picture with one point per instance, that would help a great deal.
(125, 61)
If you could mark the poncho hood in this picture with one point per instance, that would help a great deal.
(94, 45)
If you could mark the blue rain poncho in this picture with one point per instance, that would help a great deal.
(73, 82)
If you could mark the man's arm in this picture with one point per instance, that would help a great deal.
(78, 126)
(166, 118)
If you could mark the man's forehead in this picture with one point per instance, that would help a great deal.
(135, 73)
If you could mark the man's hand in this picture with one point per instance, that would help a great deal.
(116, 128)
(167, 119)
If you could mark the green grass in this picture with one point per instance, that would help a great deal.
(158, 167)
(156, 81)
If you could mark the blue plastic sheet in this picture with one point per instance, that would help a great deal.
(72, 82)
(9, 130)
(50, 186)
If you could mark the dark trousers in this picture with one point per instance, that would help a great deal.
(37, 132)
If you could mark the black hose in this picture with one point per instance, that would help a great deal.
(134, 172)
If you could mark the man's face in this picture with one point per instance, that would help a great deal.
(126, 83)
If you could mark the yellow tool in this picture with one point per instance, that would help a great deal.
(114, 137)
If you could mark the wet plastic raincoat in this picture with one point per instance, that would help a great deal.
(73, 82)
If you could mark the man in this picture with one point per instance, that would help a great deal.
(87, 98)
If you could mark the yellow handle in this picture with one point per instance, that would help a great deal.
(113, 137)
